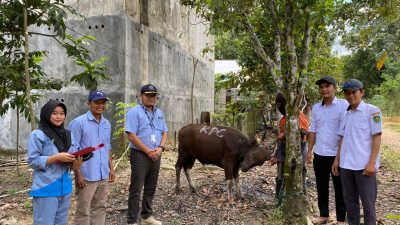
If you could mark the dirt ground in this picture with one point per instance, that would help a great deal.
(208, 206)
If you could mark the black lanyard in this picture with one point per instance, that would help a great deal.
(152, 118)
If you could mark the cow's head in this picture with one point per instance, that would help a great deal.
(256, 155)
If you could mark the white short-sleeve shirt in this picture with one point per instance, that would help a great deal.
(357, 130)
(325, 123)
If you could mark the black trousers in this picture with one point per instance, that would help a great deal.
(144, 172)
(356, 186)
(322, 170)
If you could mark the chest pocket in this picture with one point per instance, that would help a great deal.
(317, 119)
(49, 148)
(334, 122)
(106, 133)
(159, 123)
(362, 123)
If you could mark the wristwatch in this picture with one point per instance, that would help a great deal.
(162, 147)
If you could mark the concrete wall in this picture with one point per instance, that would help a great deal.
(146, 41)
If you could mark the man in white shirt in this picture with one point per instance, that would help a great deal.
(323, 140)
(358, 158)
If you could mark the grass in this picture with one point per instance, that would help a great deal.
(390, 158)
(12, 191)
(176, 221)
(27, 205)
(395, 127)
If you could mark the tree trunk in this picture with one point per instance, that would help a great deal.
(249, 123)
(195, 61)
(295, 204)
(27, 77)
(17, 165)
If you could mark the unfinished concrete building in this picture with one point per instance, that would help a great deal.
(146, 41)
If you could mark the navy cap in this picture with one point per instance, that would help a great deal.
(326, 79)
(352, 84)
(148, 89)
(97, 95)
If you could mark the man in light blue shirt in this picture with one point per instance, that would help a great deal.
(91, 181)
(147, 133)
(323, 140)
(357, 158)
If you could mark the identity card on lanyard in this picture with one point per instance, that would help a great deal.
(153, 135)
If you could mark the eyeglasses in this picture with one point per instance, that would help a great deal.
(150, 95)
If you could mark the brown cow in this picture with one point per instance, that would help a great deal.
(224, 147)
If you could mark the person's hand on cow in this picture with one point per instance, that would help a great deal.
(273, 161)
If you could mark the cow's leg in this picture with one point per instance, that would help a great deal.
(189, 178)
(178, 168)
(237, 184)
(230, 197)
(228, 169)
(188, 164)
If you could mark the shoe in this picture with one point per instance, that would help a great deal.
(150, 221)
(320, 220)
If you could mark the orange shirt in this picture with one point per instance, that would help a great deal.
(302, 120)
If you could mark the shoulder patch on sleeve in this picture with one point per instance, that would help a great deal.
(377, 118)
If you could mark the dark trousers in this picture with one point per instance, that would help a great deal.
(356, 186)
(144, 172)
(322, 170)
(280, 169)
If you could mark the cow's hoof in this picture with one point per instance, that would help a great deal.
(178, 190)
(239, 197)
(194, 190)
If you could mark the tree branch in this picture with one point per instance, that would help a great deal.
(292, 78)
(306, 45)
(59, 42)
(41, 34)
(290, 45)
(270, 5)
(268, 63)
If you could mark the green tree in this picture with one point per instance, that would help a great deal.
(390, 89)
(369, 28)
(362, 66)
(15, 19)
(279, 33)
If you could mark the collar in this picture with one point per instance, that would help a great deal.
(335, 100)
(91, 117)
(146, 110)
(360, 106)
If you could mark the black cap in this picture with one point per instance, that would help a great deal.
(148, 89)
(352, 84)
(326, 79)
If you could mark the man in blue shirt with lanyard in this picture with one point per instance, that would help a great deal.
(147, 133)
(91, 181)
